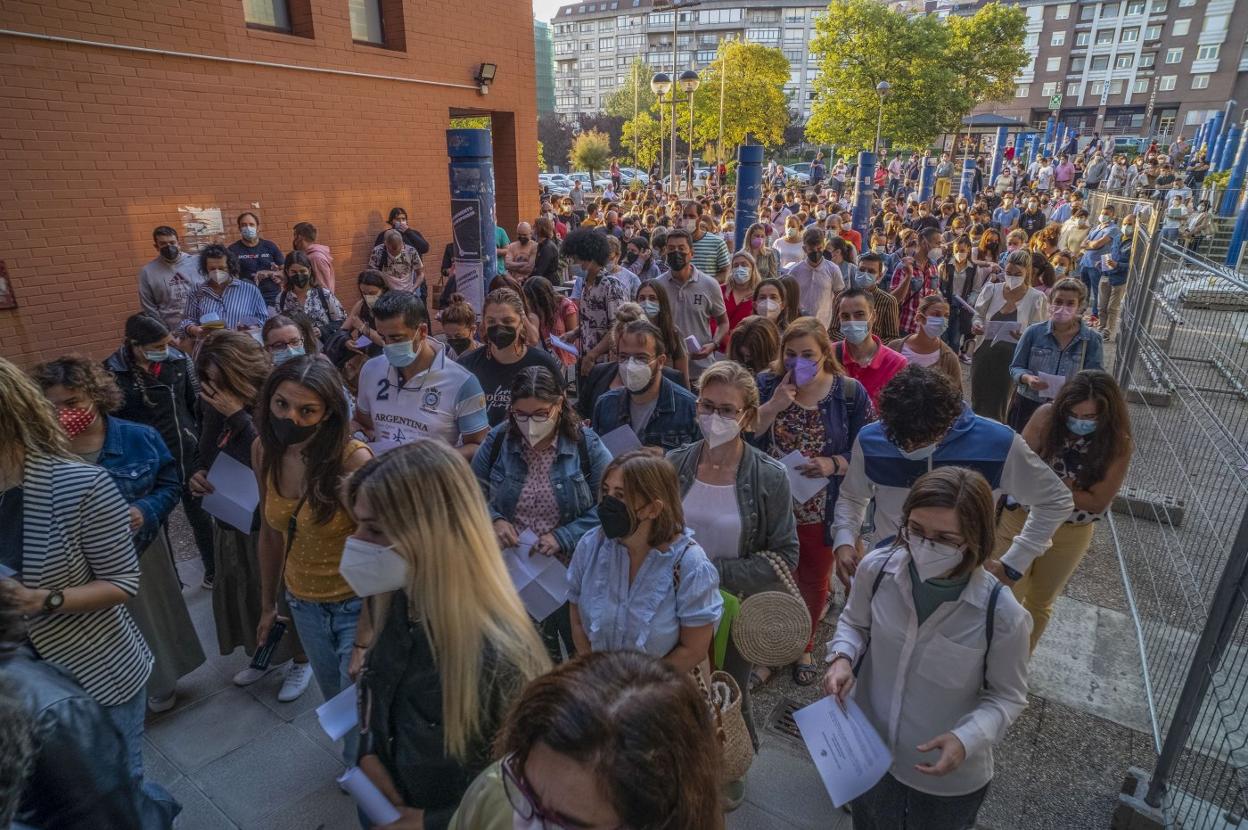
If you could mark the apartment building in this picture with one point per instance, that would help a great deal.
(1131, 67)
(597, 42)
(544, 66)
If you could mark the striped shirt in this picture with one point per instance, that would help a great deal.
(710, 254)
(239, 301)
(75, 530)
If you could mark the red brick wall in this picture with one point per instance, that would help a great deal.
(98, 146)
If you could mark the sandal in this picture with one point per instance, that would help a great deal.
(759, 676)
(805, 674)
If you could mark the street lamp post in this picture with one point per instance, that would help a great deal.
(881, 89)
(719, 144)
(659, 85)
(636, 92)
(689, 82)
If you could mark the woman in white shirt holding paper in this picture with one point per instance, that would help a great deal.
(1003, 312)
(941, 651)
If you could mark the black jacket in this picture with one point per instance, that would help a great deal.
(80, 775)
(401, 713)
(168, 401)
(411, 236)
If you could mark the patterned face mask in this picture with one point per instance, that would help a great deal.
(76, 419)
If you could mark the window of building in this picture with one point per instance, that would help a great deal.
(762, 35)
(1096, 87)
(1022, 90)
(606, 25)
(1087, 13)
(1104, 36)
(1072, 88)
(1181, 27)
(587, 101)
(1200, 82)
(1078, 64)
(1139, 85)
(764, 15)
(565, 101)
(1158, 7)
(1131, 35)
(606, 44)
(588, 83)
(365, 21)
(714, 17)
(793, 55)
(1063, 11)
(565, 47)
(660, 19)
(629, 41)
(1183, 4)
(1153, 32)
(794, 36)
(1209, 52)
(273, 15)
(1168, 82)
(794, 15)
(683, 41)
(1057, 39)
(1110, 9)
(588, 63)
(1124, 61)
(1135, 7)
(1115, 86)
(1049, 89)
(1100, 62)
(606, 82)
(587, 27)
(705, 56)
(1174, 55)
(1082, 38)
(1053, 64)
(1031, 41)
(587, 46)
(623, 61)
(1148, 60)
(1215, 24)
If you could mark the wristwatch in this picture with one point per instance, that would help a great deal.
(1014, 575)
(837, 655)
(53, 602)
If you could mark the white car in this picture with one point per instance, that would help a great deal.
(632, 174)
(797, 175)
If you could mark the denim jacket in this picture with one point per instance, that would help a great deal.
(143, 469)
(844, 412)
(767, 523)
(673, 423)
(576, 495)
(1039, 351)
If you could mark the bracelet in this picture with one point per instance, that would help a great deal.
(357, 645)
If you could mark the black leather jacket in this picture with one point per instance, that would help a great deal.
(401, 709)
(169, 403)
(80, 776)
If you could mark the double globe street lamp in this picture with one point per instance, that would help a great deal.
(661, 85)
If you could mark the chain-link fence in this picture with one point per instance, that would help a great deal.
(1180, 527)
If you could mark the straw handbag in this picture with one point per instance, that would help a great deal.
(723, 696)
(773, 627)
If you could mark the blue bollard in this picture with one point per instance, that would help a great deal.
(967, 185)
(865, 194)
(927, 178)
(998, 155)
(749, 190)
(1050, 128)
(1239, 167)
(471, 170)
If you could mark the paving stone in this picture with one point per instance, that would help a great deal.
(198, 813)
(265, 690)
(786, 785)
(327, 808)
(158, 768)
(208, 729)
(308, 724)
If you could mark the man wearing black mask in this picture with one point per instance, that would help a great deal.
(638, 260)
(696, 299)
(166, 281)
(521, 254)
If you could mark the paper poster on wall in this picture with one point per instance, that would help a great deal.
(7, 298)
(468, 267)
(201, 227)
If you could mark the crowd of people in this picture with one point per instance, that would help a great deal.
(636, 401)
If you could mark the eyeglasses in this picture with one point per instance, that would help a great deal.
(536, 417)
(706, 407)
(640, 358)
(523, 800)
(279, 346)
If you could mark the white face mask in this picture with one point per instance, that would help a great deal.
(920, 453)
(717, 429)
(740, 275)
(636, 374)
(371, 568)
(1013, 281)
(691, 225)
(219, 277)
(934, 559)
(535, 432)
(768, 308)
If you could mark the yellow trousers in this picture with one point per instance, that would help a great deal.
(1047, 577)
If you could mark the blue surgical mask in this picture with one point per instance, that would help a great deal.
(1080, 426)
(651, 308)
(935, 326)
(156, 357)
(400, 355)
(250, 233)
(288, 354)
(856, 331)
(864, 279)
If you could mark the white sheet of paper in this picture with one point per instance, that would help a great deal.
(339, 715)
(692, 344)
(541, 581)
(527, 540)
(970, 309)
(374, 805)
(1055, 384)
(802, 487)
(995, 330)
(621, 440)
(563, 345)
(235, 493)
(845, 747)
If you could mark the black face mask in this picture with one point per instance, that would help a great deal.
(630, 259)
(300, 280)
(459, 344)
(501, 336)
(615, 519)
(288, 432)
(677, 260)
(524, 240)
(169, 252)
(814, 256)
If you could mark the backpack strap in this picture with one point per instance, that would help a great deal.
(582, 450)
(989, 624)
(875, 586)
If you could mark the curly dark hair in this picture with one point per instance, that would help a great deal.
(84, 375)
(918, 406)
(540, 383)
(216, 251)
(1109, 442)
(587, 244)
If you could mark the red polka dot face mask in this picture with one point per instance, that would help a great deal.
(75, 420)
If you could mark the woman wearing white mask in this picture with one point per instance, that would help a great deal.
(813, 408)
(926, 347)
(789, 247)
(452, 647)
(739, 290)
(1003, 312)
(222, 300)
(777, 301)
(940, 693)
(736, 498)
(540, 470)
(766, 260)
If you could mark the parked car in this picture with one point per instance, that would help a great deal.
(796, 175)
(560, 179)
(632, 174)
(802, 167)
(1129, 144)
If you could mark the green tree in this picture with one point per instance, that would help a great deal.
(473, 122)
(541, 156)
(620, 102)
(646, 129)
(754, 102)
(591, 151)
(984, 75)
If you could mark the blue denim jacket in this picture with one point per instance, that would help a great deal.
(844, 413)
(144, 471)
(576, 495)
(673, 423)
(1038, 351)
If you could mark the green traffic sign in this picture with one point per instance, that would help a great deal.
(1055, 103)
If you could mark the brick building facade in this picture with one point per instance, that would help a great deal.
(118, 117)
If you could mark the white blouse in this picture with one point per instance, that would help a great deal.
(711, 512)
(1032, 308)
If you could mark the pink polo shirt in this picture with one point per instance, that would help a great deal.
(878, 372)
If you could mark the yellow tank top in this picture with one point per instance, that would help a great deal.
(312, 568)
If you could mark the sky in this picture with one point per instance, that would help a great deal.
(545, 9)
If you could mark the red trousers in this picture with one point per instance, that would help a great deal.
(814, 567)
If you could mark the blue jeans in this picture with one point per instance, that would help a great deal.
(327, 631)
(1092, 279)
(128, 717)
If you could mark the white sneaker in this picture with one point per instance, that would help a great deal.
(249, 675)
(162, 704)
(298, 676)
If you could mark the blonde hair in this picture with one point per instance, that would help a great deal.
(731, 373)
(28, 424)
(809, 327)
(1022, 259)
(648, 478)
(753, 265)
(428, 502)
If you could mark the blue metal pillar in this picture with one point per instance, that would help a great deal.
(471, 171)
(1050, 128)
(1230, 144)
(865, 194)
(1215, 132)
(967, 186)
(1241, 230)
(927, 178)
(749, 189)
(1239, 167)
(998, 155)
